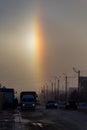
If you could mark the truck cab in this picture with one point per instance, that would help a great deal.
(28, 102)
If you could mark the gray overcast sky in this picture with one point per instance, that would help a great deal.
(63, 28)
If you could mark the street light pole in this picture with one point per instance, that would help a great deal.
(46, 92)
(78, 72)
(52, 88)
(65, 87)
(58, 85)
(55, 86)
(78, 82)
(58, 89)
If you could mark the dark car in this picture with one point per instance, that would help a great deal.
(71, 105)
(51, 104)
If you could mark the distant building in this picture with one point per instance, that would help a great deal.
(83, 88)
(83, 83)
(9, 96)
(2, 100)
(71, 89)
(72, 93)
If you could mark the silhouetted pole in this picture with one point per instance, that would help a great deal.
(78, 83)
(47, 91)
(55, 87)
(52, 88)
(78, 72)
(58, 89)
(66, 87)
(44, 91)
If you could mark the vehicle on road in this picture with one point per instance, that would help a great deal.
(28, 100)
(51, 104)
(61, 104)
(71, 105)
(82, 105)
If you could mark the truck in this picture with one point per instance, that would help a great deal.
(28, 100)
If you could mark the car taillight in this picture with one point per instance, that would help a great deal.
(67, 103)
(76, 104)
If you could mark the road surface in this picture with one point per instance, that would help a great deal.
(43, 119)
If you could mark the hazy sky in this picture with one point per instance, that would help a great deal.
(41, 38)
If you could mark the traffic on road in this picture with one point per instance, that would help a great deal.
(42, 118)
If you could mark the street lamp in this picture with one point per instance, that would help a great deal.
(58, 85)
(65, 86)
(52, 88)
(78, 72)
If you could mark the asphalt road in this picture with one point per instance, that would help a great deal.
(42, 119)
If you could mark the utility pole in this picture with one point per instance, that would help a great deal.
(47, 91)
(55, 87)
(78, 72)
(65, 87)
(78, 82)
(52, 88)
(58, 89)
(44, 92)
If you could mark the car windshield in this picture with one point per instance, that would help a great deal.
(51, 102)
(28, 100)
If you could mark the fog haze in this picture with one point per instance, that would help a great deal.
(64, 28)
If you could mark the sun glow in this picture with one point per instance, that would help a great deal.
(35, 47)
(34, 40)
(31, 40)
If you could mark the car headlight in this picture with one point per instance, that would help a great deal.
(33, 105)
(55, 104)
(23, 105)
